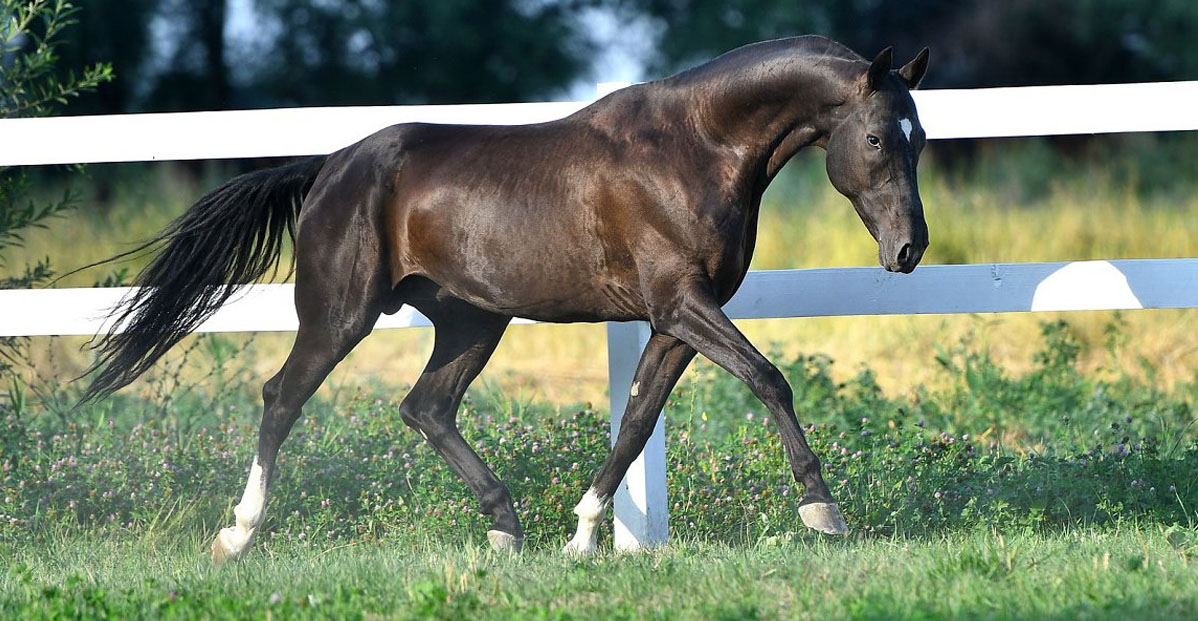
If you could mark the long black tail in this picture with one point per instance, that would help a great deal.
(231, 236)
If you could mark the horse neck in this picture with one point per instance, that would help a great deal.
(771, 109)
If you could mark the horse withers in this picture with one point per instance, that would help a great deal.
(641, 206)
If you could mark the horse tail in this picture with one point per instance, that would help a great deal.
(230, 237)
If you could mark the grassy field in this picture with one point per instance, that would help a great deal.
(1102, 574)
(1018, 200)
(1051, 492)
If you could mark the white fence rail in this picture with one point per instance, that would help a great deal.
(640, 504)
(932, 289)
(969, 113)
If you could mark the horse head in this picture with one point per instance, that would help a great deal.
(872, 156)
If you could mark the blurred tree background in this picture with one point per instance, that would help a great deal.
(173, 55)
(177, 55)
(975, 43)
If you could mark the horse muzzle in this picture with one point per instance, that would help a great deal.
(902, 255)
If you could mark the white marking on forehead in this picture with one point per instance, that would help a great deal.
(905, 125)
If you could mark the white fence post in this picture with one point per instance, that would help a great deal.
(639, 507)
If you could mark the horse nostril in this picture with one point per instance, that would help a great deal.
(904, 255)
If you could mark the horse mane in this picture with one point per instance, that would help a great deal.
(667, 98)
(756, 54)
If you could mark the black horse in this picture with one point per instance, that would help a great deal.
(642, 206)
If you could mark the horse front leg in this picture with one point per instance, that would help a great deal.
(690, 312)
(660, 366)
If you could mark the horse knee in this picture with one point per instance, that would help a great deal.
(772, 388)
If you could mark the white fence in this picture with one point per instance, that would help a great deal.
(973, 113)
(640, 505)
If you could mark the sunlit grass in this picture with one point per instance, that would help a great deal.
(1095, 575)
(1050, 494)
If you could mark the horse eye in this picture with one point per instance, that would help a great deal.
(873, 141)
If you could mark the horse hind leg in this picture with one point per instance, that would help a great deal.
(312, 358)
(339, 295)
(465, 339)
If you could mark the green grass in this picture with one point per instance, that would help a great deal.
(1096, 574)
(1051, 448)
(1051, 493)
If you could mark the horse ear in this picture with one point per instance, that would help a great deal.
(880, 68)
(912, 72)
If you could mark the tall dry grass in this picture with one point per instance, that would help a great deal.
(1011, 201)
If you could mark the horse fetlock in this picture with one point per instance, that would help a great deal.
(592, 506)
(590, 511)
(249, 517)
(824, 517)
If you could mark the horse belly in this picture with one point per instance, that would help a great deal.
(544, 286)
(547, 267)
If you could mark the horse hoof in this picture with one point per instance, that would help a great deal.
(504, 542)
(579, 548)
(221, 554)
(824, 517)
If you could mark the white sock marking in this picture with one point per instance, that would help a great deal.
(905, 125)
(590, 511)
(250, 513)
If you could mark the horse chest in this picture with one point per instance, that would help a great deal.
(724, 248)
